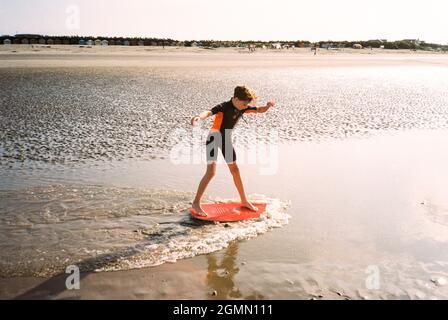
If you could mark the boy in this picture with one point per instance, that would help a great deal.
(226, 117)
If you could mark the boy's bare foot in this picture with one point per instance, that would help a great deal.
(198, 209)
(249, 205)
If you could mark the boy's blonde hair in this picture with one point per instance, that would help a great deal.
(244, 93)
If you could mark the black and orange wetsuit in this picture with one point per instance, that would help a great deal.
(226, 117)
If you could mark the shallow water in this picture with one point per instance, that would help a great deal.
(87, 177)
(356, 206)
(106, 228)
(78, 115)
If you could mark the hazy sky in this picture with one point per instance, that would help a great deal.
(231, 19)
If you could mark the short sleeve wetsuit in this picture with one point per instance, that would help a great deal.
(226, 117)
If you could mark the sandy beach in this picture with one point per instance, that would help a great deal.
(355, 178)
(121, 56)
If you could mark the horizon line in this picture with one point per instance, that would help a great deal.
(227, 40)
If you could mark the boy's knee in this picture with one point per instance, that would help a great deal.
(211, 171)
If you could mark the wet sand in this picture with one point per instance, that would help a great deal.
(380, 203)
(366, 186)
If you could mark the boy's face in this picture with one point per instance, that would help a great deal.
(240, 104)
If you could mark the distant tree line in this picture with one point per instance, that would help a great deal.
(245, 44)
(410, 44)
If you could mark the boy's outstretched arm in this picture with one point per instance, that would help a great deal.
(202, 116)
(268, 105)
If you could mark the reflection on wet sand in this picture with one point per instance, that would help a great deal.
(221, 275)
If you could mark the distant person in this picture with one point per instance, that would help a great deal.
(227, 115)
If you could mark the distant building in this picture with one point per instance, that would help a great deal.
(141, 43)
(41, 41)
(328, 46)
(276, 45)
(50, 41)
(89, 42)
(112, 42)
(57, 41)
(357, 46)
(194, 44)
(126, 43)
(82, 42)
(65, 41)
(97, 42)
(7, 42)
(104, 43)
(28, 38)
(413, 41)
(118, 43)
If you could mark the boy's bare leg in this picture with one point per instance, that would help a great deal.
(235, 171)
(209, 174)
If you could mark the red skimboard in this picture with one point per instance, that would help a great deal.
(231, 211)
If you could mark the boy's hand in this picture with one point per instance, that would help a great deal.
(195, 120)
(268, 105)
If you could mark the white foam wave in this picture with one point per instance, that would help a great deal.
(189, 239)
